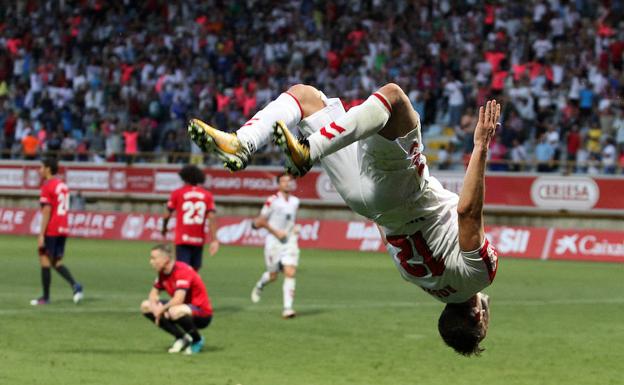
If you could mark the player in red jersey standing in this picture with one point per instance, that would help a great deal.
(193, 206)
(189, 308)
(54, 230)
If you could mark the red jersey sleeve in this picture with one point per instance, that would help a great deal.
(183, 280)
(172, 203)
(46, 195)
(158, 285)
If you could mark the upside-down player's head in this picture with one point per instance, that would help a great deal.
(49, 167)
(191, 174)
(160, 256)
(464, 325)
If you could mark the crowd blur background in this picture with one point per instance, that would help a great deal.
(99, 81)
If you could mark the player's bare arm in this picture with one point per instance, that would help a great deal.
(165, 222)
(214, 243)
(160, 309)
(262, 222)
(470, 206)
(46, 212)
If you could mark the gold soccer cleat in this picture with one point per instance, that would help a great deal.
(226, 146)
(297, 151)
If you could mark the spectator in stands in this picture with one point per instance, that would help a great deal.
(30, 145)
(573, 144)
(618, 127)
(444, 158)
(130, 137)
(498, 154)
(544, 155)
(69, 145)
(609, 156)
(519, 156)
(557, 68)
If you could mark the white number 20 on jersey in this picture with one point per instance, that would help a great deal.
(194, 212)
(63, 204)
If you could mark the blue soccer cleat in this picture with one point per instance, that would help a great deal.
(195, 347)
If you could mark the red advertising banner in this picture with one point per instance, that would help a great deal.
(520, 242)
(507, 191)
(587, 245)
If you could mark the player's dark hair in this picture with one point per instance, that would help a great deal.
(192, 175)
(165, 249)
(279, 176)
(51, 163)
(459, 329)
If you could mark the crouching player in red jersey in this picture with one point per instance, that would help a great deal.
(53, 232)
(189, 308)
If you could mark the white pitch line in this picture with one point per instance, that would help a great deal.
(333, 306)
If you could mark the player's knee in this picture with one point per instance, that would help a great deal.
(393, 93)
(308, 98)
(44, 261)
(273, 276)
(57, 263)
(145, 307)
(177, 312)
(301, 91)
(290, 271)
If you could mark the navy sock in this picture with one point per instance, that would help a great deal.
(188, 325)
(166, 325)
(64, 272)
(46, 278)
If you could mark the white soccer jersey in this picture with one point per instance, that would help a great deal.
(389, 183)
(281, 212)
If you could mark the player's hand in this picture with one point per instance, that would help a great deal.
(158, 310)
(40, 241)
(281, 235)
(213, 247)
(486, 125)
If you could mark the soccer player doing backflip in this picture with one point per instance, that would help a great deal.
(374, 156)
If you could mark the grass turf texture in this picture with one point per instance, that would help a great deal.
(359, 323)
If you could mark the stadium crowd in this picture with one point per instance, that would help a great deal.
(114, 81)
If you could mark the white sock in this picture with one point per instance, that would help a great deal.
(358, 123)
(289, 292)
(258, 130)
(264, 280)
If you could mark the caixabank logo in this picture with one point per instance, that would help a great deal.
(588, 244)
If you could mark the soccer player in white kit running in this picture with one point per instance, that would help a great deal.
(281, 251)
(373, 155)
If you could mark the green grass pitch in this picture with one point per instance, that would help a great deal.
(359, 323)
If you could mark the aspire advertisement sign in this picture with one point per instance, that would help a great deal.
(510, 241)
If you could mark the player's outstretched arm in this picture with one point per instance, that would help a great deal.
(470, 206)
(214, 243)
(261, 222)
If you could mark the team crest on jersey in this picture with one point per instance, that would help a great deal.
(417, 159)
(493, 256)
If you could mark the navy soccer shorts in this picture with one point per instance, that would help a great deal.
(191, 255)
(54, 246)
